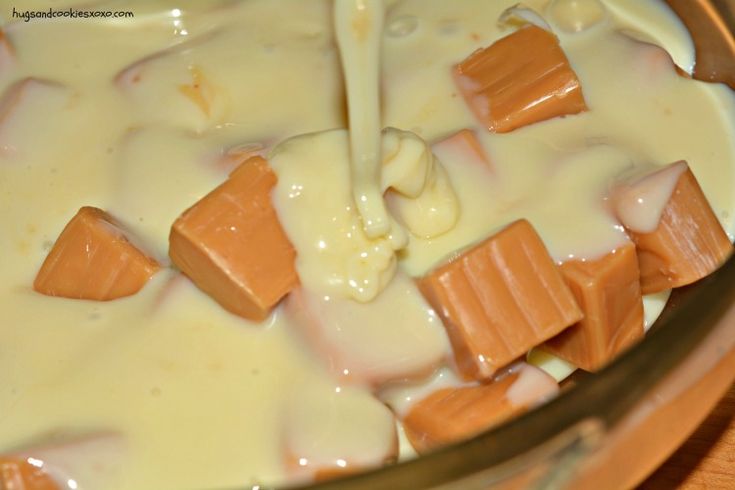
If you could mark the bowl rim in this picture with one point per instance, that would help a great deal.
(607, 396)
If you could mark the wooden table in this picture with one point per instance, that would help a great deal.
(707, 459)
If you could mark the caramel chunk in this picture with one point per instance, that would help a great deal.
(19, 107)
(393, 337)
(21, 91)
(170, 86)
(462, 145)
(93, 259)
(19, 474)
(237, 155)
(330, 432)
(523, 78)
(139, 70)
(332, 471)
(200, 91)
(657, 61)
(608, 290)
(452, 414)
(91, 461)
(499, 299)
(7, 53)
(651, 60)
(688, 242)
(232, 246)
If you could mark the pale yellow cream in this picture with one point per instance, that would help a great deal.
(182, 394)
(358, 26)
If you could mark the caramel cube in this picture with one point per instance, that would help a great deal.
(232, 245)
(462, 145)
(688, 242)
(19, 474)
(93, 259)
(7, 53)
(452, 414)
(329, 432)
(499, 299)
(521, 79)
(608, 290)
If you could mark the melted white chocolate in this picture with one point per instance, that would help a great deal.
(530, 383)
(357, 343)
(315, 206)
(142, 112)
(80, 462)
(402, 397)
(358, 27)
(640, 203)
(576, 15)
(424, 199)
(337, 428)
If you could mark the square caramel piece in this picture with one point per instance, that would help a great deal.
(329, 432)
(17, 473)
(521, 79)
(7, 53)
(462, 146)
(450, 415)
(232, 246)
(94, 259)
(677, 235)
(609, 292)
(499, 299)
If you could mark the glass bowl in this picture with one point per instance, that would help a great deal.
(613, 428)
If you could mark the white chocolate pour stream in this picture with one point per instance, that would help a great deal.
(358, 27)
